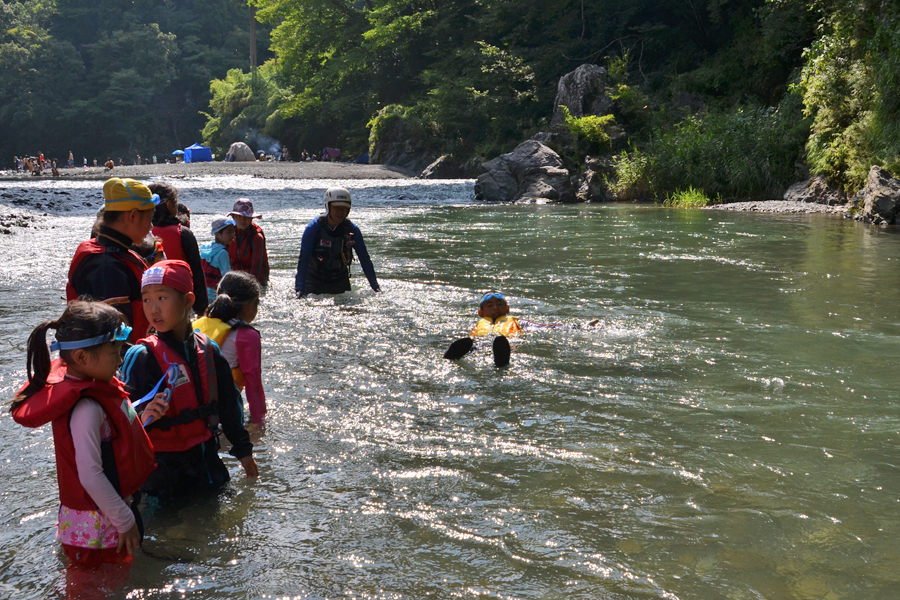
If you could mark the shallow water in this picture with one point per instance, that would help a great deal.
(729, 430)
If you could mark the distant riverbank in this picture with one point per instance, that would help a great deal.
(265, 170)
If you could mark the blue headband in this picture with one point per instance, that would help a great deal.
(491, 296)
(119, 335)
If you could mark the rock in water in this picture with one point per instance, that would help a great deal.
(530, 173)
(881, 198)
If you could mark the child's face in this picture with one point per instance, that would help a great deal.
(242, 222)
(100, 363)
(337, 214)
(166, 308)
(494, 308)
(226, 236)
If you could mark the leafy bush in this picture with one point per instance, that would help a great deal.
(590, 131)
(632, 180)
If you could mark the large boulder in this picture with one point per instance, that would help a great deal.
(816, 190)
(401, 143)
(592, 184)
(446, 167)
(583, 92)
(530, 173)
(881, 198)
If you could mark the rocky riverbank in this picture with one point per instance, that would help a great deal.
(783, 206)
(265, 170)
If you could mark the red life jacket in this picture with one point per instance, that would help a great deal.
(187, 421)
(171, 238)
(132, 451)
(245, 246)
(140, 325)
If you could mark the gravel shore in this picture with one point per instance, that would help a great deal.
(265, 170)
(782, 206)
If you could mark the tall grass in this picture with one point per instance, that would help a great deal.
(748, 152)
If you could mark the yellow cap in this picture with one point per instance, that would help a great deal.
(127, 194)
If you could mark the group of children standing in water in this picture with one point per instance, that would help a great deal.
(147, 421)
(156, 430)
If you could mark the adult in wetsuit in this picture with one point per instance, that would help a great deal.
(106, 267)
(327, 247)
(179, 242)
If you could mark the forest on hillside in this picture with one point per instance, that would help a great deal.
(104, 78)
(737, 98)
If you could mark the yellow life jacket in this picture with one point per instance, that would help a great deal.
(505, 325)
(217, 330)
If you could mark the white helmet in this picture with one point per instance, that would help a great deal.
(337, 196)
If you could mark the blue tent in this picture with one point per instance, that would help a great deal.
(197, 153)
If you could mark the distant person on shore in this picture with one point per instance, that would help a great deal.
(95, 162)
(202, 391)
(304, 156)
(154, 159)
(16, 162)
(71, 160)
(109, 164)
(106, 267)
(138, 160)
(85, 162)
(53, 169)
(103, 455)
(496, 321)
(214, 255)
(327, 247)
(248, 250)
(227, 323)
(179, 242)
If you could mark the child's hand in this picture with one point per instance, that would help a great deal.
(251, 469)
(130, 540)
(156, 408)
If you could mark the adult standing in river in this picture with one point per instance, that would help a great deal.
(179, 242)
(248, 250)
(106, 267)
(326, 250)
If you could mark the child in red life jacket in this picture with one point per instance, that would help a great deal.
(203, 393)
(248, 250)
(103, 455)
(227, 322)
(214, 255)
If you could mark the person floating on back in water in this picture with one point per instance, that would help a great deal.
(327, 247)
(496, 320)
(248, 250)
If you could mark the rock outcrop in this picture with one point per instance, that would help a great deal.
(530, 173)
(815, 189)
(881, 198)
(592, 185)
(583, 92)
(445, 167)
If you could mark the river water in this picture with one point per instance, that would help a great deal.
(729, 430)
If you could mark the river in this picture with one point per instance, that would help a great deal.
(729, 430)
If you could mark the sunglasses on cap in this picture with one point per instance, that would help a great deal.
(493, 296)
(119, 335)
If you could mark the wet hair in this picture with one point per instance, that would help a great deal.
(111, 216)
(147, 250)
(167, 192)
(82, 320)
(236, 290)
(184, 215)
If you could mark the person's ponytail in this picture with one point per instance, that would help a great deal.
(222, 308)
(37, 361)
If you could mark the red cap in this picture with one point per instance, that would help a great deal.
(174, 273)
